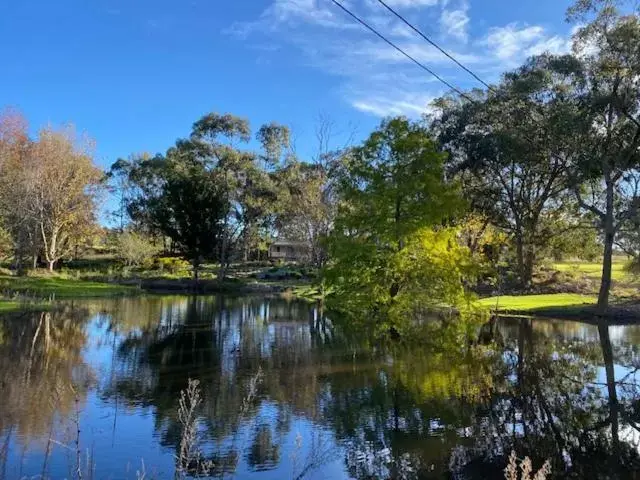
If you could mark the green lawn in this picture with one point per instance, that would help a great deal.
(9, 306)
(594, 270)
(531, 303)
(46, 287)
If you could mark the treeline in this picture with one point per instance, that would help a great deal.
(555, 145)
(49, 191)
(215, 200)
(542, 164)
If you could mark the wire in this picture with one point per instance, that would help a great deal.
(449, 56)
(434, 44)
(389, 42)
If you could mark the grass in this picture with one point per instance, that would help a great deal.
(51, 286)
(7, 306)
(531, 303)
(594, 270)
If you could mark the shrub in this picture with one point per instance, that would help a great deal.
(172, 265)
(633, 267)
(135, 249)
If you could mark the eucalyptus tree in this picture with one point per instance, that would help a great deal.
(508, 148)
(606, 89)
(189, 206)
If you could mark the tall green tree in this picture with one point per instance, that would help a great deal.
(606, 89)
(244, 185)
(189, 207)
(389, 231)
(507, 148)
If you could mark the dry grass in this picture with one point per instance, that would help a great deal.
(526, 469)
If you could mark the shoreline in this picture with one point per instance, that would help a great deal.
(20, 293)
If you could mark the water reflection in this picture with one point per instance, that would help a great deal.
(326, 406)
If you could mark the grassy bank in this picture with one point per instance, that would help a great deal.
(19, 292)
(569, 290)
(532, 303)
(594, 270)
(46, 287)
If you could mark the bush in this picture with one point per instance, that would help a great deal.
(135, 249)
(171, 265)
(633, 267)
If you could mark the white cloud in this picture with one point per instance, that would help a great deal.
(292, 13)
(454, 23)
(401, 30)
(410, 105)
(411, 3)
(508, 41)
(376, 79)
(554, 45)
(418, 49)
(513, 43)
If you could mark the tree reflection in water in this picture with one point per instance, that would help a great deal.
(42, 376)
(455, 405)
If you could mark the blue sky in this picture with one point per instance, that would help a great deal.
(136, 74)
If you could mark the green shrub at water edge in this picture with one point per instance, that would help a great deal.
(172, 265)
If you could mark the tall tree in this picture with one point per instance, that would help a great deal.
(215, 138)
(506, 147)
(15, 191)
(606, 176)
(66, 183)
(393, 195)
(305, 209)
(189, 206)
(276, 143)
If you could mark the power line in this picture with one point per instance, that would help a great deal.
(389, 42)
(434, 44)
(421, 65)
(448, 55)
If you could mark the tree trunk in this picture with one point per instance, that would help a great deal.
(51, 264)
(605, 282)
(614, 409)
(607, 258)
(525, 277)
(529, 261)
(196, 274)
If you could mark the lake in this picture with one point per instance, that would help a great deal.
(92, 390)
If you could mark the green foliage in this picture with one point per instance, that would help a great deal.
(507, 164)
(579, 243)
(135, 249)
(393, 185)
(276, 141)
(187, 204)
(305, 209)
(484, 240)
(390, 256)
(172, 265)
(428, 272)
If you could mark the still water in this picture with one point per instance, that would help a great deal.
(93, 390)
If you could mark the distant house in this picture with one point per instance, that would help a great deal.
(288, 251)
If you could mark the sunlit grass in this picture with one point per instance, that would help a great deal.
(594, 270)
(60, 287)
(9, 306)
(526, 303)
